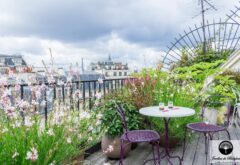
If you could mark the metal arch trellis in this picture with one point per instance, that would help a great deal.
(221, 36)
(234, 15)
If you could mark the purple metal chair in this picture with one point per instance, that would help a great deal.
(137, 136)
(207, 129)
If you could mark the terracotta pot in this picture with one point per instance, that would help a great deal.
(111, 147)
(173, 142)
(78, 160)
(211, 115)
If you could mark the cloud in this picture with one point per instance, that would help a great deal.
(131, 31)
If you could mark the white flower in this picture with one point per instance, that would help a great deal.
(99, 116)
(28, 122)
(90, 138)
(98, 122)
(90, 128)
(50, 132)
(15, 154)
(34, 102)
(69, 140)
(79, 136)
(32, 154)
(23, 104)
(4, 130)
(100, 80)
(7, 92)
(109, 149)
(98, 95)
(84, 115)
(53, 163)
(17, 124)
(10, 111)
(106, 163)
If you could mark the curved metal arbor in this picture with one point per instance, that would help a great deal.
(219, 36)
(234, 15)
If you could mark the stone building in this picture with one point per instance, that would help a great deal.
(111, 69)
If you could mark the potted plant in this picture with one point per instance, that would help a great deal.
(219, 93)
(112, 124)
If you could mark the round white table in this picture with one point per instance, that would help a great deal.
(166, 114)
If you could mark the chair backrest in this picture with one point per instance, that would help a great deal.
(121, 112)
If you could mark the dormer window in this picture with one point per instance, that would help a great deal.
(17, 60)
(2, 60)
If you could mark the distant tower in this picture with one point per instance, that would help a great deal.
(109, 57)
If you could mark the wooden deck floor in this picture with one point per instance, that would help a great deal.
(194, 155)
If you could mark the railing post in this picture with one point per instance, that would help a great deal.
(63, 93)
(89, 95)
(78, 106)
(54, 92)
(104, 88)
(71, 96)
(21, 95)
(83, 95)
(46, 106)
(94, 90)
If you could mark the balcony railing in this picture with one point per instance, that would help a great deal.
(77, 95)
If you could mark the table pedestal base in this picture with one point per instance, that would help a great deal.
(166, 140)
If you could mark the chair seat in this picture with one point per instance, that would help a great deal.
(205, 127)
(141, 136)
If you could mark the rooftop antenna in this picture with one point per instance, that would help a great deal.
(205, 6)
(51, 57)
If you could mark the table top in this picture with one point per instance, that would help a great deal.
(154, 111)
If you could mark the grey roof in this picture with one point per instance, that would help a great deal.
(9, 59)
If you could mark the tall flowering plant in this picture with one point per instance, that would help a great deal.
(26, 137)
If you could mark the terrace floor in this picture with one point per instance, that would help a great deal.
(194, 155)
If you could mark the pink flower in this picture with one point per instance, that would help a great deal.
(10, 111)
(98, 95)
(32, 154)
(100, 81)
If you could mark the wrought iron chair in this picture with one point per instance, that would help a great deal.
(137, 136)
(207, 129)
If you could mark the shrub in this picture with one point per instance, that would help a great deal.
(111, 121)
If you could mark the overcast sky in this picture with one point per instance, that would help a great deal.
(130, 30)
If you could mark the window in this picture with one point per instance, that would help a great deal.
(114, 73)
(125, 73)
(120, 73)
(2, 60)
(106, 74)
(17, 60)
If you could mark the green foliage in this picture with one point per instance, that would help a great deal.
(64, 137)
(111, 120)
(234, 75)
(166, 87)
(197, 72)
(220, 91)
(199, 56)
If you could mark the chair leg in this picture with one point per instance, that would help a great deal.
(229, 137)
(121, 153)
(154, 158)
(184, 143)
(234, 115)
(158, 151)
(206, 145)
